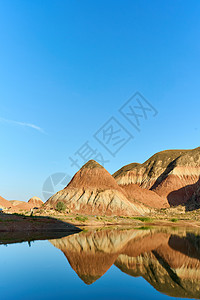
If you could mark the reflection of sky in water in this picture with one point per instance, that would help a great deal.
(43, 272)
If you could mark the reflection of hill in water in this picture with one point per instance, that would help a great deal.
(169, 261)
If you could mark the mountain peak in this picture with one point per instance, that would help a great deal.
(93, 175)
(91, 164)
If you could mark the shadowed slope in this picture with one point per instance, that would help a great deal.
(16, 223)
(194, 201)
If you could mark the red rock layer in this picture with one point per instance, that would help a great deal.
(93, 175)
(147, 197)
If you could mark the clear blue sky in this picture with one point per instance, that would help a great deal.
(66, 67)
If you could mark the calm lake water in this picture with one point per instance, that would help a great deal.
(104, 264)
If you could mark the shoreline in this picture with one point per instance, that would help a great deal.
(22, 223)
(49, 222)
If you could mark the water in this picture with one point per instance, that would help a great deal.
(104, 264)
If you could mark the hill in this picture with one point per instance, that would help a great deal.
(171, 174)
(94, 191)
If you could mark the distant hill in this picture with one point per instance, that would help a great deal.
(35, 201)
(5, 203)
(22, 205)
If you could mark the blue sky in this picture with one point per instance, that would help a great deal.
(66, 67)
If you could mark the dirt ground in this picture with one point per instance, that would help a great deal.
(163, 217)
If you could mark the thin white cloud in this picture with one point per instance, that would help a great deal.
(24, 124)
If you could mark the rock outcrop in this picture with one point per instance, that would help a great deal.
(94, 191)
(171, 174)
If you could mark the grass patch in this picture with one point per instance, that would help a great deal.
(144, 228)
(143, 219)
(174, 220)
(82, 219)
